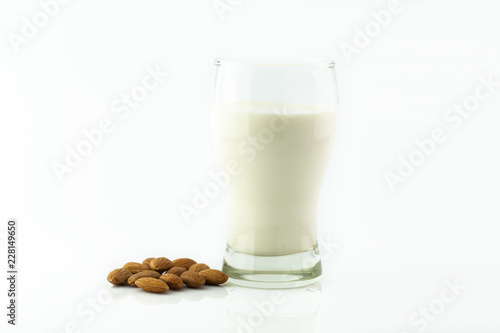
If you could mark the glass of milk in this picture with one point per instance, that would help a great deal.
(273, 127)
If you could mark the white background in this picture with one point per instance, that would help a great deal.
(386, 254)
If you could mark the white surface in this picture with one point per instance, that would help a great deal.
(386, 254)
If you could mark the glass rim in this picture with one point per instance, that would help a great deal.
(315, 64)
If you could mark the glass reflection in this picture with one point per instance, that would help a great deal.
(273, 310)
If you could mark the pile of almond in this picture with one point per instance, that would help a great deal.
(158, 275)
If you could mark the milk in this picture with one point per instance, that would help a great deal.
(282, 152)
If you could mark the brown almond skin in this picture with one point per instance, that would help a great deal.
(176, 270)
(198, 268)
(151, 285)
(161, 264)
(136, 267)
(183, 262)
(192, 279)
(119, 276)
(173, 281)
(153, 274)
(147, 261)
(214, 276)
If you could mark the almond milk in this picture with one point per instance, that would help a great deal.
(283, 152)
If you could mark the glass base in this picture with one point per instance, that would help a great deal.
(287, 271)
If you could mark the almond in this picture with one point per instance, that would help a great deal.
(153, 274)
(192, 279)
(147, 261)
(136, 267)
(214, 276)
(183, 262)
(161, 264)
(176, 270)
(152, 285)
(198, 268)
(173, 281)
(119, 276)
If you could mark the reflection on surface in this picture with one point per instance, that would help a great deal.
(171, 296)
(273, 310)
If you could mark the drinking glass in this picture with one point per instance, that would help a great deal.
(273, 126)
